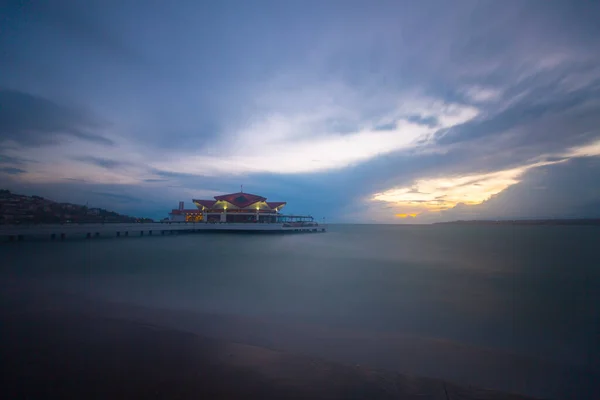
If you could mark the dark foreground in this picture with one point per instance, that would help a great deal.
(58, 354)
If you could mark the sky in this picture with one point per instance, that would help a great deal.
(357, 112)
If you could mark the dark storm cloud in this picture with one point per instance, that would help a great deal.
(528, 110)
(35, 121)
(570, 189)
(565, 190)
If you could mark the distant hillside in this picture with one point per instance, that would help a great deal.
(21, 209)
(574, 221)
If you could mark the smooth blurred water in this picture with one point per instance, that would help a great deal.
(529, 290)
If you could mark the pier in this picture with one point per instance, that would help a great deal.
(90, 231)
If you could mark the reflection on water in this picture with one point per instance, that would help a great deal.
(510, 307)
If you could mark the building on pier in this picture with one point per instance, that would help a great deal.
(234, 208)
(237, 207)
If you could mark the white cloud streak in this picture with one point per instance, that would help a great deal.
(481, 94)
(301, 143)
(431, 195)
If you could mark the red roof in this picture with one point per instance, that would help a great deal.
(275, 204)
(240, 199)
(204, 203)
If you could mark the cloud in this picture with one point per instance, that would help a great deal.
(155, 180)
(386, 127)
(433, 195)
(87, 25)
(34, 121)
(5, 159)
(443, 193)
(299, 144)
(430, 121)
(75, 180)
(102, 162)
(562, 196)
(588, 150)
(170, 174)
(12, 170)
(479, 94)
(543, 112)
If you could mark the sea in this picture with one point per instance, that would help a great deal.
(508, 307)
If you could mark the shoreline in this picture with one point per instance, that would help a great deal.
(69, 354)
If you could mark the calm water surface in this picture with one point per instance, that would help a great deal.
(515, 308)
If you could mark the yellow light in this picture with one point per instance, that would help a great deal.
(412, 215)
